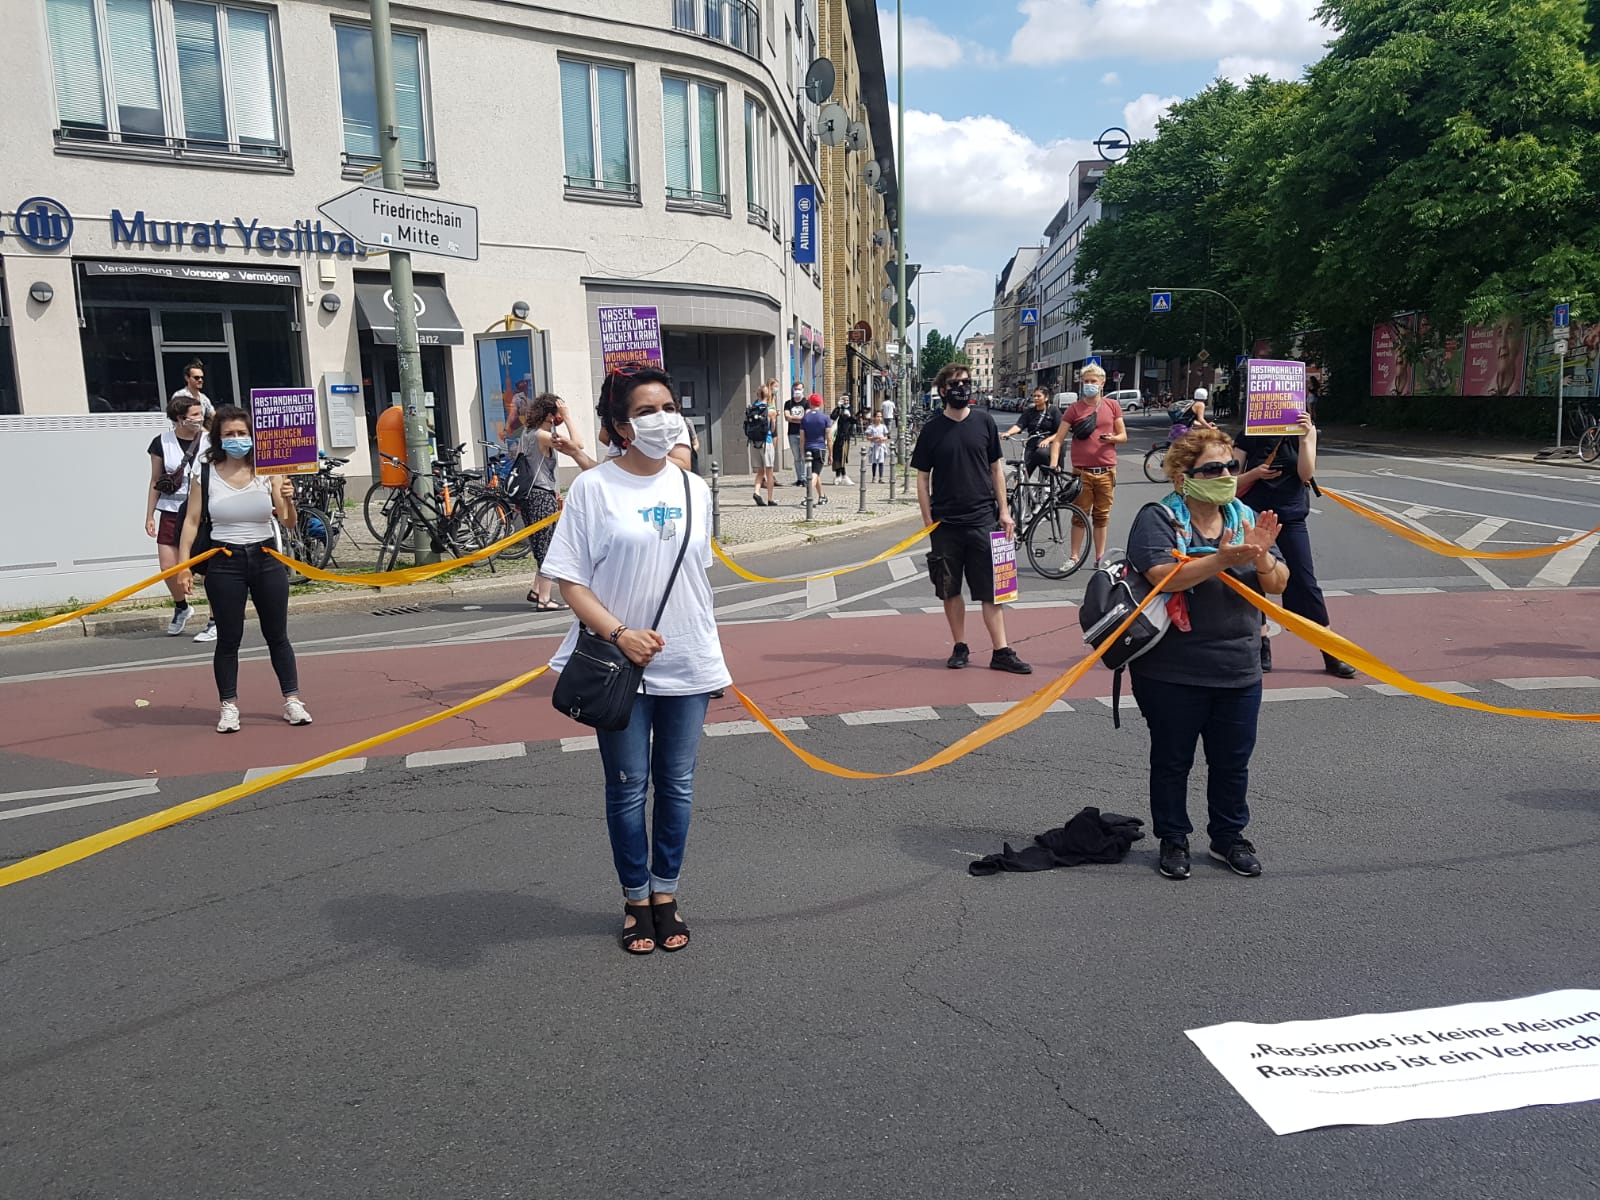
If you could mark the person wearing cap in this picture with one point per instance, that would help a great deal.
(1194, 414)
(814, 435)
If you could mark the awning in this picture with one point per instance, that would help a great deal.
(437, 323)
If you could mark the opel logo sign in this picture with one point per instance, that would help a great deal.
(416, 301)
(42, 223)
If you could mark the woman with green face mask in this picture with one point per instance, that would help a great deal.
(1203, 679)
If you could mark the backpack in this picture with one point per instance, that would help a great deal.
(757, 423)
(1116, 588)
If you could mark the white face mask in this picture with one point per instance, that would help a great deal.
(655, 434)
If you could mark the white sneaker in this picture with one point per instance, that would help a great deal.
(229, 721)
(180, 618)
(208, 634)
(294, 712)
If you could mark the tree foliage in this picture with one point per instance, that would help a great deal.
(937, 350)
(1443, 157)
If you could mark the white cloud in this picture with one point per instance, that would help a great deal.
(1110, 79)
(1240, 67)
(1140, 116)
(982, 166)
(926, 46)
(1062, 30)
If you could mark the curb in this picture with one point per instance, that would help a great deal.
(1529, 458)
(804, 538)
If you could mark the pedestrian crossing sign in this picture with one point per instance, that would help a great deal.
(1030, 316)
(1160, 302)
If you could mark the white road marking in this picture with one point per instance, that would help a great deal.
(1481, 532)
(1563, 565)
(83, 794)
(993, 708)
(868, 594)
(1303, 693)
(1547, 683)
(1418, 591)
(1027, 604)
(348, 766)
(1477, 568)
(821, 592)
(888, 716)
(866, 612)
(467, 754)
(1470, 487)
(904, 567)
(1388, 689)
(1419, 510)
(568, 745)
(1456, 464)
(738, 728)
(1336, 592)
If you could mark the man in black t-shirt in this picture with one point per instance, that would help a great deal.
(1277, 475)
(793, 412)
(961, 485)
(1038, 423)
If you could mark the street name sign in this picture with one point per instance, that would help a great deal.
(1160, 302)
(398, 221)
(1030, 316)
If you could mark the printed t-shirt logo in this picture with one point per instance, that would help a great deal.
(664, 517)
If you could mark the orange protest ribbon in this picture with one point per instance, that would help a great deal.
(418, 574)
(95, 843)
(1326, 640)
(1439, 545)
(897, 548)
(1023, 712)
(133, 589)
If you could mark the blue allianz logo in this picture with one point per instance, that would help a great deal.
(42, 223)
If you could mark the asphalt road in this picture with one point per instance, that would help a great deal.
(402, 982)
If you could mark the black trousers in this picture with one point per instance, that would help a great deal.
(1303, 596)
(249, 572)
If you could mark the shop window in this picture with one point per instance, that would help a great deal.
(173, 78)
(692, 133)
(597, 130)
(359, 101)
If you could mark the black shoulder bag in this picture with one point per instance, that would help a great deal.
(202, 537)
(598, 685)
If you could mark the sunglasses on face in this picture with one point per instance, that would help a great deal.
(1215, 470)
(629, 368)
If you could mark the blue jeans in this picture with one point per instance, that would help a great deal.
(659, 745)
(1179, 715)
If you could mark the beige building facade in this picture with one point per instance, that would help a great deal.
(165, 163)
(979, 352)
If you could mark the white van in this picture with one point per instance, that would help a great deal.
(1128, 399)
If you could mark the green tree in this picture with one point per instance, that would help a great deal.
(937, 350)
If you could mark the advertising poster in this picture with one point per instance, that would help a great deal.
(1275, 396)
(1443, 356)
(1379, 1068)
(1583, 346)
(629, 335)
(283, 423)
(505, 380)
(1004, 550)
(1391, 374)
(1494, 359)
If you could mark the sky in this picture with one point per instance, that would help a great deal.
(1004, 96)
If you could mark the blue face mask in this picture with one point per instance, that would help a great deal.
(1091, 390)
(236, 447)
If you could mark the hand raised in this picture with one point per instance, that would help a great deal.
(1264, 535)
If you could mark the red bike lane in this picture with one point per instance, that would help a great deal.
(791, 668)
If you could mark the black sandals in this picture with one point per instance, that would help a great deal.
(669, 924)
(642, 930)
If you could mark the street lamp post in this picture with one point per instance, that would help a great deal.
(900, 220)
(1243, 352)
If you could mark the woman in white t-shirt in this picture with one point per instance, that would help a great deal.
(613, 554)
(240, 506)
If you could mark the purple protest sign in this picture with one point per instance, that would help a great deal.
(629, 335)
(283, 422)
(1275, 396)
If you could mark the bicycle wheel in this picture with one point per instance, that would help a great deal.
(500, 519)
(1589, 444)
(375, 507)
(1155, 461)
(396, 536)
(1047, 542)
(314, 537)
(464, 534)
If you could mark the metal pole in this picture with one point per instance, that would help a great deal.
(863, 506)
(1561, 398)
(418, 455)
(716, 502)
(904, 406)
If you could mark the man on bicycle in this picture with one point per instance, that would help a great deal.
(1039, 422)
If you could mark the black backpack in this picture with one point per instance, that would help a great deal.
(757, 422)
(1114, 591)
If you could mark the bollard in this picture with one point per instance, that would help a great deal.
(888, 466)
(864, 469)
(805, 474)
(716, 502)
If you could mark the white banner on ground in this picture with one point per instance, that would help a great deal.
(1378, 1068)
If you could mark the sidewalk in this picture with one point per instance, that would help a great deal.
(744, 525)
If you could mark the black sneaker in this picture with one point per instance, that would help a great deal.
(1240, 857)
(1266, 657)
(959, 657)
(1005, 659)
(1174, 863)
(1337, 667)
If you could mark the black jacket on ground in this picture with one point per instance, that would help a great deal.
(1090, 837)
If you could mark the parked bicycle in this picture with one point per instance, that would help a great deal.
(451, 526)
(1585, 427)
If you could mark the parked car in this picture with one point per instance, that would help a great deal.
(1128, 399)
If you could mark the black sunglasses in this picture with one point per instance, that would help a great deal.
(1215, 470)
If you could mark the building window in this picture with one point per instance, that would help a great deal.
(359, 102)
(597, 130)
(691, 120)
(735, 23)
(757, 160)
(175, 78)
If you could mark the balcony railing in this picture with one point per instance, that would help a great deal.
(598, 189)
(98, 138)
(735, 23)
(688, 198)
